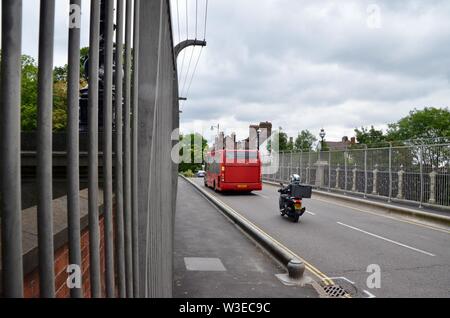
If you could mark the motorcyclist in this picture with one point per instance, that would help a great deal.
(286, 191)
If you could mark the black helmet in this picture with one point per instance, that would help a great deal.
(295, 178)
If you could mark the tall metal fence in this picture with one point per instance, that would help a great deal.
(413, 173)
(136, 93)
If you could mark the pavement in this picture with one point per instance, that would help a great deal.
(215, 259)
(344, 242)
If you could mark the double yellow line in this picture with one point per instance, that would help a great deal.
(308, 266)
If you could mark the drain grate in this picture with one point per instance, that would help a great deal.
(335, 291)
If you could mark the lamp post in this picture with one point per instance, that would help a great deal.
(322, 136)
(258, 132)
(218, 128)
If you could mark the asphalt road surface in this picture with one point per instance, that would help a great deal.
(344, 243)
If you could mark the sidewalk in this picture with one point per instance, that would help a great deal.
(213, 258)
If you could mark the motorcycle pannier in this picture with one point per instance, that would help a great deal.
(301, 191)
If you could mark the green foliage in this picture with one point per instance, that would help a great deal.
(429, 123)
(29, 89)
(28, 117)
(196, 146)
(280, 142)
(304, 141)
(371, 137)
(188, 173)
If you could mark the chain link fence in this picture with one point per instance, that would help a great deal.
(412, 173)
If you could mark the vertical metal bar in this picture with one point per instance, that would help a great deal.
(421, 175)
(329, 170)
(134, 150)
(94, 227)
(301, 163)
(290, 165)
(44, 150)
(127, 155)
(118, 102)
(309, 167)
(365, 171)
(390, 171)
(345, 172)
(12, 272)
(107, 150)
(73, 202)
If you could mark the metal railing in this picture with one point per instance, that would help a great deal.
(413, 173)
(138, 217)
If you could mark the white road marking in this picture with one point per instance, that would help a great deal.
(386, 239)
(369, 294)
(312, 213)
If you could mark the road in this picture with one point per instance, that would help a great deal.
(343, 242)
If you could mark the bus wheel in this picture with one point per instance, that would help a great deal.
(215, 186)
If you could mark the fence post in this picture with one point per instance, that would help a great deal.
(290, 165)
(338, 169)
(309, 167)
(375, 180)
(73, 154)
(10, 178)
(345, 170)
(365, 171)
(433, 175)
(301, 163)
(400, 183)
(354, 178)
(421, 175)
(329, 171)
(390, 171)
(44, 154)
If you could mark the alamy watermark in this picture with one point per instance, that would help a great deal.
(374, 279)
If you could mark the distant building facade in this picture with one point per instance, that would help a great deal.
(341, 145)
(250, 143)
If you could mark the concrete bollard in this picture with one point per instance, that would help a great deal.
(338, 169)
(401, 173)
(355, 170)
(433, 175)
(375, 180)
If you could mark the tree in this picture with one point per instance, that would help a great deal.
(430, 124)
(371, 137)
(304, 141)
(195, 157)
(280, 142)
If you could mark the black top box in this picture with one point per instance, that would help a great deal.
(301, 191)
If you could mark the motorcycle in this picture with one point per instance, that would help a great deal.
(291, 198)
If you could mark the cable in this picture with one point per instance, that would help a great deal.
(206, 20)
(178, 21)
(196, 18)
(187, 36)
(189, 67)
(193, 73)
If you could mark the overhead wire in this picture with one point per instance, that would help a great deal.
(199, 55)
(192, 51)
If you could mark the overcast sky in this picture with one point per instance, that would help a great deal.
(302, 64)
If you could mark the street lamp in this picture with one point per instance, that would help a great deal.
(258, 132)
(218, 128)
(322, 136)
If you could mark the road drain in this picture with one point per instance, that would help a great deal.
(335, 291)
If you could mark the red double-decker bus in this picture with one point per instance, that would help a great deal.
(233, 170)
